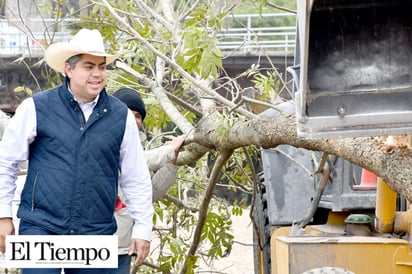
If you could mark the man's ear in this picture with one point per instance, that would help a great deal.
(68, 70)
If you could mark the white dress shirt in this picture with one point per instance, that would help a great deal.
(134, 178)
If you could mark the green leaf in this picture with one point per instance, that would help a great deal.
(24, 89)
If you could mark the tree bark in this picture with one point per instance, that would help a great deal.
(391, 163)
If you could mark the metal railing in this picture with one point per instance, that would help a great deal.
(248, 35)
(242, 33)
(15, 41)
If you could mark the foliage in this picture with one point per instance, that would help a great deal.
(201, 54)
(267, 83)
(24, 89)
(174, 224)
(238, 175)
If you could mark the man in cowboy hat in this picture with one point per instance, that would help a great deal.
(77, 139)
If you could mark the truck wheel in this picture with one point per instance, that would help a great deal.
(261, 232)
(328, 270)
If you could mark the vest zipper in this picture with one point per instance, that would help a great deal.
(81, 115)
(34, 189)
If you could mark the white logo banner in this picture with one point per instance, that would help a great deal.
(44, 251)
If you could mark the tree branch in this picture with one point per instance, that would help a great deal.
(280, 8)
(214, 176)
(173, 64)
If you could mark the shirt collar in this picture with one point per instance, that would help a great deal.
(90, 104)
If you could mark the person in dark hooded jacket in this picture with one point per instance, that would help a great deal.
(161, 163)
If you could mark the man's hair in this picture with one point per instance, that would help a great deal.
(72, 61)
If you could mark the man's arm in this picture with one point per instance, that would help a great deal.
(162, 180)
(160, 156)
(161, 161)
(14, 148)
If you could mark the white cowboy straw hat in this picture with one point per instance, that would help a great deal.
(84, 42)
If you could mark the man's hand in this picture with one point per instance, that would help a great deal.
(141, 248)
(177, 144)
(6, 228)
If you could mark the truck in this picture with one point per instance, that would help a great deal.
(318, 213)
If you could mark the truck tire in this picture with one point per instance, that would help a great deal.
(328, 270)
(261, 232)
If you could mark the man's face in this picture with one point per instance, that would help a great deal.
(138, 118)
(88, 77)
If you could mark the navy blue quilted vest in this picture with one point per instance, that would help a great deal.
(72, 178)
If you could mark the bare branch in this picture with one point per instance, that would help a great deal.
(214, 176)
(280, 8)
